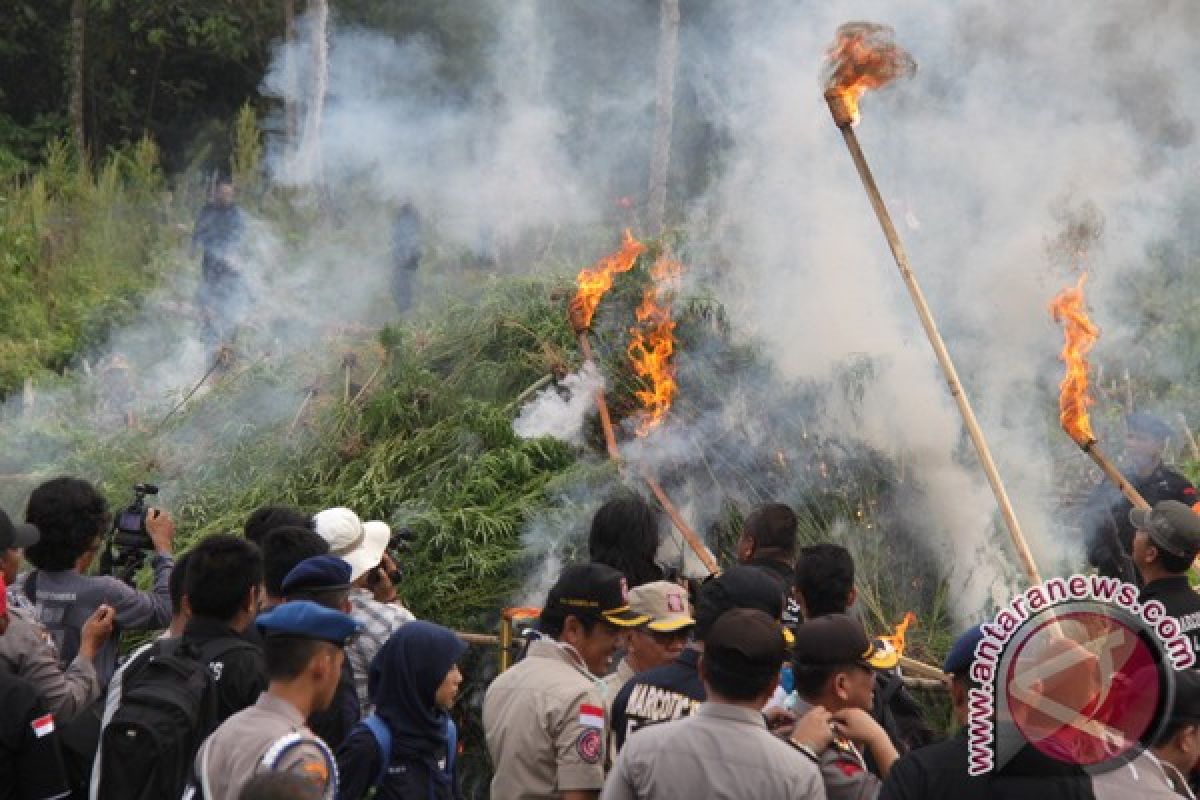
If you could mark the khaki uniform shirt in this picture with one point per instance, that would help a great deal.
(544, 720)
(268, 736)
(721, 751)
(27, 651)
(1143, 777)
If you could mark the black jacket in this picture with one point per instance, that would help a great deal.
(407, 779)
(31, 760)
(240, 671)
(1108, 532)
(1181, 602)
(671, 691)
(939, 772)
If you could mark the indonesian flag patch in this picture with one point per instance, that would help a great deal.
(43, 726)
(591, 716)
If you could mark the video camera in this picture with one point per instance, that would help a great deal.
(128, 542)
(401, 542)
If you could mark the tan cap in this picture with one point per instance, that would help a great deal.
(665, 603)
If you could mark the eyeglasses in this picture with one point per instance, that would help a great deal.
(665, 638)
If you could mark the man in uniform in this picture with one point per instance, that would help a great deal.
(303, 646)
(1165, 544)
(825, 585)
(724, 749)
(31, 761)
(26, 649)
(544, 719)
(832, 668)
(768, 541)
(660, 641)
(675, 690)
(1107, 529)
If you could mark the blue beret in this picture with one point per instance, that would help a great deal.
(309, 621)
(318, 573)
(959, 659)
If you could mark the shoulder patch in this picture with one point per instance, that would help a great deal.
(589, 746)
(591, 716)
(848, 768)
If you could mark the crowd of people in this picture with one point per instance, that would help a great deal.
(281, 663)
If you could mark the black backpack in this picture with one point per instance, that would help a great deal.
(168, 707)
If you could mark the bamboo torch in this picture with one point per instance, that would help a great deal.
(1079, 337)
(593, 283)
(864, 57)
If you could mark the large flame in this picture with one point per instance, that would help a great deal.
(595, 281)
(864, 56)
(1079, 336)
(896, 639)
(653, 343)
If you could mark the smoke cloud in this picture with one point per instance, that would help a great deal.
(1037, 138)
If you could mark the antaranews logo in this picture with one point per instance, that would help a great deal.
(1077, 669)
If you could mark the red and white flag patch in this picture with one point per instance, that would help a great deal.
(43, 726)
(591, 716)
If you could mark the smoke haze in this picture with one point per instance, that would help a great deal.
(1035, 136)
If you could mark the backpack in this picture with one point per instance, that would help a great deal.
(383, 739)
(66, 637)
(168, 707)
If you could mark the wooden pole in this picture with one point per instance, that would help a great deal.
(664, 110)
(843, 119)
(705, 555)
(610, 443)
(1114, 475)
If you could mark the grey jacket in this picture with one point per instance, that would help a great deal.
(27, 652)
(64, 601)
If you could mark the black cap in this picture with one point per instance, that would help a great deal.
(737, 587)
(595, 591)
(1187, 696)
(20, 535)
(832, 640)
(1141, 422)
(746, 642)
(1170, 525)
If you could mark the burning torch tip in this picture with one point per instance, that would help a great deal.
(839, 107)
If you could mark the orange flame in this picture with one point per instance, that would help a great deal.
(896, 640)
(1079, 336)
(863, 57)
(654, 342)
(595, 282)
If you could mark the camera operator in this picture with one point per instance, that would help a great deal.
(373, 598)
(72, 518)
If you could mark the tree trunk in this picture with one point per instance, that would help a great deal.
(289, 96)
(664, 113)
(75, 101)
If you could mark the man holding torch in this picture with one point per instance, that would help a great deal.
(1107, 528)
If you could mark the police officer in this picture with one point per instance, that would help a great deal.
(544, 719)
(1165, 544)
(724, 749)
(1107, 529)
(303, 645)
(31, 761)
(832, 669)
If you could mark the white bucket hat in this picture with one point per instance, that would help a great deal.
(359, 544)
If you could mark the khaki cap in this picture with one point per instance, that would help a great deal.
(665, 603)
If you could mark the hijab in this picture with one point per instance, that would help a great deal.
(403, 682)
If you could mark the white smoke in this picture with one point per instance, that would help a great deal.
(559, 411)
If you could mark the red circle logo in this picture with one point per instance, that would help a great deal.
(1085, 687)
